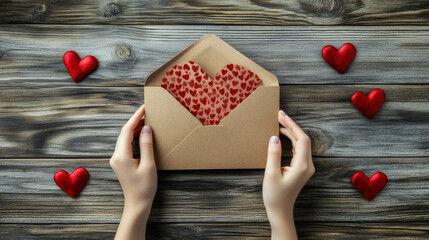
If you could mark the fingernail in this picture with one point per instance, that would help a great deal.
(285, 115)
(275, 140)
(147, 130)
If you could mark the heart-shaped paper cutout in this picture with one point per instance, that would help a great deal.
(78, 68)
(73, 183)
(339, 59)
(369, 187)
(368, 105)
(210, 100)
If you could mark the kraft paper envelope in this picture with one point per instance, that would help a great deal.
(240, 141)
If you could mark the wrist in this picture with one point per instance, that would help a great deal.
(133, 222)
(282, 225)
(279, 220)
(139, 210)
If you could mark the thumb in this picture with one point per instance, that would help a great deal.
(274, 156)
(146, 145)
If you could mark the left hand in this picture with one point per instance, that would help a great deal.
(138, 177)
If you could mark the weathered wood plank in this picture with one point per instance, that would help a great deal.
(128, 54)
(191, 231)
(301, 12)
(77, 121)
(28, 194)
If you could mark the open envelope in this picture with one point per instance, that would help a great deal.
(240, 141)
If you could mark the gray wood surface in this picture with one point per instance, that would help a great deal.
(235, 12)
(32, 54)
(48, 123)
(197, 231)
(30, 196)
(79, 121)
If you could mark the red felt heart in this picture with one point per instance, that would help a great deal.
(339, 59)
(78, 68)
(210, 100)
(369, 188)
(368, 105)
(73, 183)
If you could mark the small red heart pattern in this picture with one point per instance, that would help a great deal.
(339, 59)
(369, 187)
(210, 100)
(73, 183)
(368, 104)
(79, 68)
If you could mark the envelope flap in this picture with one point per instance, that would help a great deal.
(212, 53)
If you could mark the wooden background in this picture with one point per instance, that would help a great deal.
(48, 123)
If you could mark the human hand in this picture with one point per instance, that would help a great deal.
(282, 184)
(138, 177)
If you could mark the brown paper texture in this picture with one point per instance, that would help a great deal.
(240, 141)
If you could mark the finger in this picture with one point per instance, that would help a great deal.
(123, 146)
(274, 157)
(135, 119)
(288, 134)
(301, 145)
(290, 124)
(124, 142)
(138, 128)
(302, 153)
(285, 130)
(146, 147)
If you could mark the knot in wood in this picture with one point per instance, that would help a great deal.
(331, 8)
(123, 52)
(39, 12)
(42, 8)
(111, 10)
(320, 142)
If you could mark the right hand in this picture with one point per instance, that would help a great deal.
(282, 184)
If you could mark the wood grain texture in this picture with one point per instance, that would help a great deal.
(194, 231)
(77, 121)
(49, 123)
(32, 54)
(28, 194)
(237, 12)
